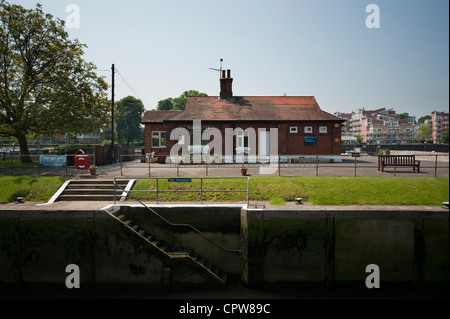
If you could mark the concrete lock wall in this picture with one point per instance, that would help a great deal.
(337, 246)
(37, 246)
(278, 246)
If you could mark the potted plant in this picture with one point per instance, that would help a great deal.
(243, 168)
(92, 169)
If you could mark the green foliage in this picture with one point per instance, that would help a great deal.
(178, 103)
(128, 120)
(316, 190)
(424, 132)
(445, 137)
(423, 118)
(46, 88)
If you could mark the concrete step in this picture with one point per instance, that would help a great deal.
(92, 190)
(90, 186)
(74, 191)
(85, 198)
(100, 181)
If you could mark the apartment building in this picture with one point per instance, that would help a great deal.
(380, 126)
(440, 125)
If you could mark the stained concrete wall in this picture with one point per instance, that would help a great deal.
(220, 223)
(278, 247)
(336, 246)
(37, 245)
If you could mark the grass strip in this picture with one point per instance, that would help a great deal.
(31, 188)
(316, 190)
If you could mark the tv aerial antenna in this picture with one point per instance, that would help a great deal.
(218, 70)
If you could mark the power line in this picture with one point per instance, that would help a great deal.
(129, 86)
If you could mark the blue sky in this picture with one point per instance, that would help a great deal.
(321, 48)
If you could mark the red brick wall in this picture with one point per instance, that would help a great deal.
(288, 143)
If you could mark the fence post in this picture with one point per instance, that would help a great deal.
(120, 160)
(279, 165)
(317, 165)
(201, 191)
(115, 191)
(157, 192)
(435, 166)
(248, 191)
(395, 166)
(355, 166)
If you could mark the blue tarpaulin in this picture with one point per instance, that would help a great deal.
(53, 160)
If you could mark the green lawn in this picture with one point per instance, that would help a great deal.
(31, 188)
(18, 163)
(316, 190)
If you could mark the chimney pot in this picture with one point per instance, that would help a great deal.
(226, 92)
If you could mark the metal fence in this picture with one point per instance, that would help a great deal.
(11, 164)
(432, 165)
(201, 190)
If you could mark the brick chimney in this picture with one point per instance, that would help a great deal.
(226, 92)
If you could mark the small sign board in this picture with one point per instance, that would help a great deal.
(310, 140)
(53, 160)
(179, 180)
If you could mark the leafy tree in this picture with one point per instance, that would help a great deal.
(46, 88)
(423, 118)
(424, 132)
(165, 105)
(444, 137)
(178, 103)
(129, 116)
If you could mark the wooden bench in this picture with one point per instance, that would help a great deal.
(398, 161)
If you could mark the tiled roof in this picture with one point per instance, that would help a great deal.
(256, 108)
(155, 116)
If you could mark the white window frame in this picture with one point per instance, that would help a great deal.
(293, 129)
(158, 135)
(240, 142)
(308, 129)
(323, 129)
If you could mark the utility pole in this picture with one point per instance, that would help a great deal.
(112, 116)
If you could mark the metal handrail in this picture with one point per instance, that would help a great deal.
(183, 225)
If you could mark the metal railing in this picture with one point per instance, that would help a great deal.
(176, 224)
(9, 163)
(315, 165)
(158, 191)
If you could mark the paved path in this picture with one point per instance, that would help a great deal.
(366, 166)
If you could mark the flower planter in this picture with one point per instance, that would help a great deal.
(244, 171)
(93, 170)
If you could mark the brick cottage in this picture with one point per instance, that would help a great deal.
(300, 127)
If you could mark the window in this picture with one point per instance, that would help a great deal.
(308, 129)
(159, 139)
(293, 129)
(323, 129)
(242, 138)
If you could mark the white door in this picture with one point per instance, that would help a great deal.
(264, 143)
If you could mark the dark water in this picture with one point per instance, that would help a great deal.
(234, 291)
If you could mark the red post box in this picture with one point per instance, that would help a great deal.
(82, 161)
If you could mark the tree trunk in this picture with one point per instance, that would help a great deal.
(24, 151)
